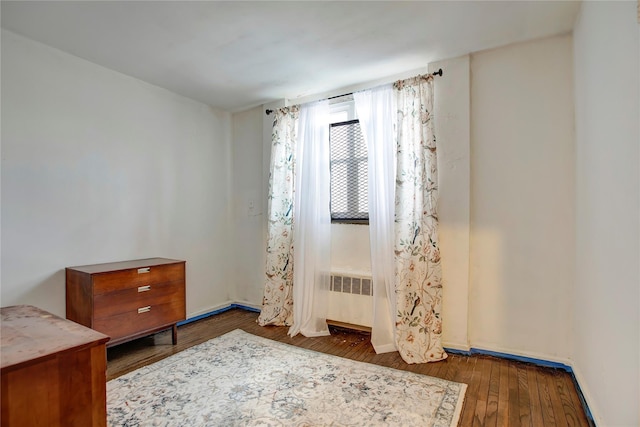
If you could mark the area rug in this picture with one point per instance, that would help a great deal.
(239, 379)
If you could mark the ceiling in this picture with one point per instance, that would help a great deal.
(238, 54)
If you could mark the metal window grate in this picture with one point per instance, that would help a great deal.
(349, 200)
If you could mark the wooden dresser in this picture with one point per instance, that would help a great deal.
(129, 299)
(53, 371)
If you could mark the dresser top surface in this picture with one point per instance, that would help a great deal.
(29, 334)
(124, 265)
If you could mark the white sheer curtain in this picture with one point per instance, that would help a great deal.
(376, 110)
(312, 225)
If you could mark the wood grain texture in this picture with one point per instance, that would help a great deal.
(494, 395)
(124, 265)
(524, 396)
(503, 396)
(53, 371)
(500, 392)
(548, 416)
(534, 396)
(129, 299)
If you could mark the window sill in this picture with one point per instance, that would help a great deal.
(350, 221)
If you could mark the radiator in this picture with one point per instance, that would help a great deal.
(350, 300)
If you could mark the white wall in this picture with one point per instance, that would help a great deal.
(452, 127)
(522, 199)
(350, 249)
(606, 332)
(100, 167)
(247, 190)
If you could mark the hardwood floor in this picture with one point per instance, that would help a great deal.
(500, 392)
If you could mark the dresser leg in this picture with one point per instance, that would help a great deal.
(174, 334)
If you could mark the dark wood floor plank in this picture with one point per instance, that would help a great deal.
(353, 346)
(498, 389)
(452, 367)
(503, 396)
(436, 368)
(472, 378)
(484, 369)
(514, 400)
(548, 416)
(523, 396)
(534, 397)
(577, 403)
(556, 402)
(491, 419)
(565, 387)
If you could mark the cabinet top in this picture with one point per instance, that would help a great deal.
(30, 334)
(124, 265)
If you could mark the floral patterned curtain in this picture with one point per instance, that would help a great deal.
(277, 303)
(418, 271)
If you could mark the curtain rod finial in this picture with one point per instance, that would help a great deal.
(268, 111)
(437, 73)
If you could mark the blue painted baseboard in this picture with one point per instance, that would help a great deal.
(218, 311)
(539, 362)
(471, 352)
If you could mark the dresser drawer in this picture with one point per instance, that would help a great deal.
(140, 319)
(130, 299)
(135, 277)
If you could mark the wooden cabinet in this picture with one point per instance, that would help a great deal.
(53, 371)
(129, 299)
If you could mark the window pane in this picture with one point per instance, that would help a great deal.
(363, 199)
(339, 116)
(348, 172)
(338, 189)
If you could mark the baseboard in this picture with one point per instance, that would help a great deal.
(455, 348)
(520, 358)
(203, 314)
(526, 355)
(247, 306)
(585, 397)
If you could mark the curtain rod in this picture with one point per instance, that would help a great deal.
(435, 73)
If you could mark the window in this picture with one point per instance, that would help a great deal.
(349, 187)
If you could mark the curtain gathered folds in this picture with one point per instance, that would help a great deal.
(277, 303)
(397, 124)
(299, 217)
(312, 222)
(418, 271)
(376, 110)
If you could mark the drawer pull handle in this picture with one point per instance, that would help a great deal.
(144, 288)
(144, 270)
(144, 309)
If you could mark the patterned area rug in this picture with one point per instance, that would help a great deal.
(240, 379)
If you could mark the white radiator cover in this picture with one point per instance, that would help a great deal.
(350, 299)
